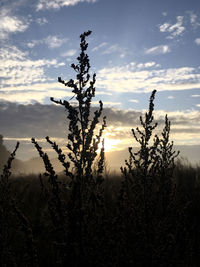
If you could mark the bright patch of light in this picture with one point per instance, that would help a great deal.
(110, 145)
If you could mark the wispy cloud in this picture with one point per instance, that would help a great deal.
(194, 19)
(115, 49)
(17, 69)
(164, 14)
(34, 43)
(57, 4)
(197, 41)
(96, 48)
(128, 79)
(52, 41)
(31, 96)
(11, 24)
(133, 101)
(174, 30)
(147, 65)
(69, 53)
(107, 103)
(156, 50)
(195, 95)
(41, 21)
(112, 49)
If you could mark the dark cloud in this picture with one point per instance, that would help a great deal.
(37, 120)
(33, 120)
(122, 117)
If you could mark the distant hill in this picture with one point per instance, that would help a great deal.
(116, 159)
(4, 155)
(36, 165)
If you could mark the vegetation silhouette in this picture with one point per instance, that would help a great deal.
(17, 165)
(86, 191)
(4, 153)
(147, 216)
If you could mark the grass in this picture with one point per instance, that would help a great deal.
(116, 240)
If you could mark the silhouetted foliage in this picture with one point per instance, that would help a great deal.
(10, 213)
(148, 191)
(85, 195)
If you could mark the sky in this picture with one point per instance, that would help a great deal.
(136, 46)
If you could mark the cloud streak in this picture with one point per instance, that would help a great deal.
(69, 53)
(57, 4)
(157, 50)
(128, 79)
(52, 41)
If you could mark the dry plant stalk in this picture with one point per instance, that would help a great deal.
(86, 190)
(148, 190)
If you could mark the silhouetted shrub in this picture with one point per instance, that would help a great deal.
(73, 221)
(148, 194)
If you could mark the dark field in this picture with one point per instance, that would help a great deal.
(112, 234)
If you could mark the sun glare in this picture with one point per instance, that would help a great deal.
(110, 144)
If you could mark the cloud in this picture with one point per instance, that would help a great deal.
(52, 41)
(175, 30)
(11, 24)
(102, 93)
(96, 48)
(31, 120)
(197, 41)
(36, 120)
(170, 97)
(195, 95)
(113, 49)
(194, 20)
(16, 68)
(107, 103)
(24, 79)
(164, 14)
(147, 65)
(57, 4)
(156, 50)
(33, 43)
(29, 96)
(41, 21)
(128, 79)
(133, 101)
(69, 53)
